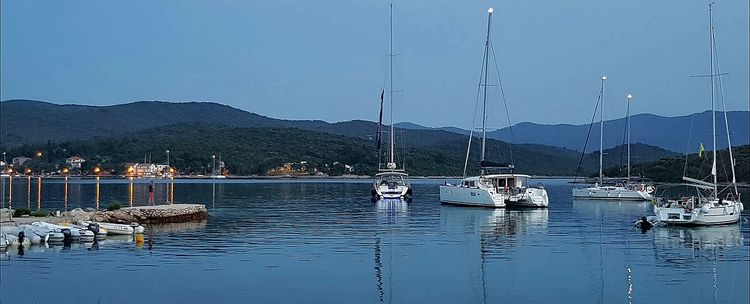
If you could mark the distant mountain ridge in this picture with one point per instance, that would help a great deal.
(671, 133)
(27, 121)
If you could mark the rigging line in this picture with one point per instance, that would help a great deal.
(726, 121)
(585, 144)
(622, 150)
(474, 120)
(505, 103)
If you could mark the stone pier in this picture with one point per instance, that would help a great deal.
(176, 213)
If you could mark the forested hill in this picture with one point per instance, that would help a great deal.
(26, 121)
(249, 151)
(672, 169)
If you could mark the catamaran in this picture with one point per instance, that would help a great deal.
(390, 182)
(710, 205)
(505, 187)
(628, 189)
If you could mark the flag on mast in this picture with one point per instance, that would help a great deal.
(380, 121)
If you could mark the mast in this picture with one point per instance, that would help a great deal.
(726, 121)
(628, 131)
(713, 108)
(486, 63)
(601, 133)
(390, 91)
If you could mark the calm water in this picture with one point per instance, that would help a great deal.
(324, 241)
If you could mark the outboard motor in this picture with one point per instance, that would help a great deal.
(67, 238)
(94, 227)
(21, 236)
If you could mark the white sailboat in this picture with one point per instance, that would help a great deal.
(710, 205)
(619, 190)
(492, 190)
(390, 182)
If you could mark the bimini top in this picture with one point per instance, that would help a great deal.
(396, 173)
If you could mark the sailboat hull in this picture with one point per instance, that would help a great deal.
(471, 196)
(710, 213)
(611, 193)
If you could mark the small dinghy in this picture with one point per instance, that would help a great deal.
(4, 243)
(76, 234)
(116, 229)
(33, 237)
(13, 240)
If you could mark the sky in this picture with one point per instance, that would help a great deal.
(327, 59)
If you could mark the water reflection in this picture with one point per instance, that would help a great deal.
(596, 208)
(495, 223)
(680, 246)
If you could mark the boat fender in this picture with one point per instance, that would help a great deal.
(139, 230)
(742, 207)
(705, 209)
(21, 236)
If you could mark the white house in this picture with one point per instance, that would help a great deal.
(75, 162)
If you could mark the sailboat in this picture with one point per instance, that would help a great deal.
(710, 205)
(629, 189)
(390, 182)
(492, 190)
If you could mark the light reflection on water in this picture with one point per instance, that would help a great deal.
(325, 241)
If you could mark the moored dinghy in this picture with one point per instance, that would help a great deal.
(116, 229)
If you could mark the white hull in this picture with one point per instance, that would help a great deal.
(391, 185)
(397, 192)
(611, 193)
(531, 197)
(116, 229)
(471, 196)
(710, 213)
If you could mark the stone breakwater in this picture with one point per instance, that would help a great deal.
(177, 213)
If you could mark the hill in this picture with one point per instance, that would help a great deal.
(26, 121)
(249, 151)
(672, 169)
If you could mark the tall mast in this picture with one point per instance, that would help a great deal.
(390, 91)
(726, 121)
(486, 64)
(713, 108)
(601, 132)
(628, 131)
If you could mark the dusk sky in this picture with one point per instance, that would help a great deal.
(326, 59)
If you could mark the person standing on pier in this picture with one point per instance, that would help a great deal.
(151, 193)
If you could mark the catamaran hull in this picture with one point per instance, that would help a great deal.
(707, 216)
(600, 194)
(465, 196)
(532, 197)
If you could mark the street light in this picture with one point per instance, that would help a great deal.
(167, 158)
(97, 170)
(38, 154)
(65, 170)
(213, 164)
(27, 171)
